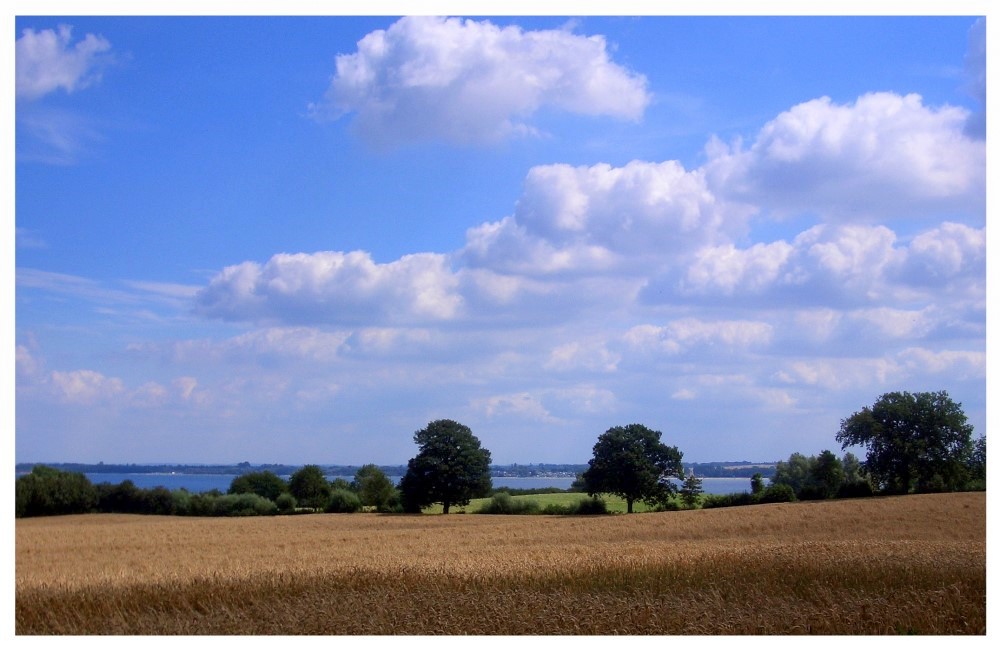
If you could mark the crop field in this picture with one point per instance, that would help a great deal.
(899, 565)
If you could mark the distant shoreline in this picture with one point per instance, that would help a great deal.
(721, 469)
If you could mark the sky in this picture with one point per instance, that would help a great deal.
(300, 239)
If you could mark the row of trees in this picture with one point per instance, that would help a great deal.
(915, 443)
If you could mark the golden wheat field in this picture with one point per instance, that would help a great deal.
(899, 565)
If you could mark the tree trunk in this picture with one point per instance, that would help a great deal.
(628, 502)
(445, 507)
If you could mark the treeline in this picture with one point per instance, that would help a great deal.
(53, 491)
(50, 491)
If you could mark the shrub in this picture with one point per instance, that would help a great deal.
(285, 503)
(343, 501)
(779, 493)
(504, 504)
(591, 506)
(558, 509)
(243, 505)
(855, 489)
(728, 500)
(48, 491)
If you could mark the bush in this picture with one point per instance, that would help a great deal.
(558, 509)
(855, 489)
(504, 504)
(343, 501)
(285, 503)
(48, 491)
(591, 506)
(780, 493)
(243, 505)
(728, 500)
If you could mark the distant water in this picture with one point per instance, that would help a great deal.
(221, 482)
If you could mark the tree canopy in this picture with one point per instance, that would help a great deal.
(266, 484)
(916, 442)
(374, 488)
(309, 487)
(451, 468)
(632, 463)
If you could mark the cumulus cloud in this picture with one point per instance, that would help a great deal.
(884, 156)
(471, 82)
(333, 287)
(837, 264)
(600, 218)
(47, 61)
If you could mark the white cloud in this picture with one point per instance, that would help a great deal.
(727, 268)
(960, 363)
(684, 334)
(472, 82)
(600, 219)
(582, 355)
(943, 253)
(85, 386)
(884, 156)
(46, 61)
(334, 287)
(521, 405)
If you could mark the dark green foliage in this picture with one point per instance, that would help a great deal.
(451, 468)
(593, 505)
(243, 505)
(309, 487)
(729, 500)
(977, 462)
(916, 442)
(266, 484)
(777, 494)
(757, 483)
(343, 501)
(826, 474)
(285, 503)
(691, 490)
(855, 489)
(341, 484)
(794, 472)
(375, 489)
(632, 463)
(503, 504)
(48, 491)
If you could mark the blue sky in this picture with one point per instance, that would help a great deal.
(300, 239)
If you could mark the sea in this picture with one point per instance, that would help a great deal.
(221, 482)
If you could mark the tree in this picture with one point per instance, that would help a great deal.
(794, 473)
(977, 461)
(451, 468)
(266, 484)
(49, 491)
(826, 475)
(309, 487)
(916, 442)
(756, 483)
(374, 488)
(632, 463)
(690, 490)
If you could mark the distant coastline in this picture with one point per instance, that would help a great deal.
(721, 469)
